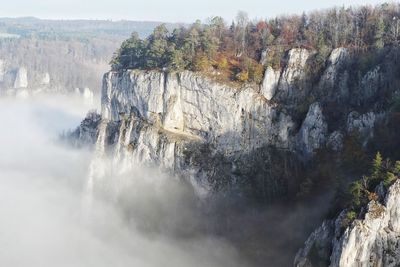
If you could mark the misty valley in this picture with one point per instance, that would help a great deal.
(248, 143)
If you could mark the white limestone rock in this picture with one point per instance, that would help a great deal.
(188, 104)
(293, 73)
(170, 111)
(373, 241)
(21, 78)
(86, 94)
(318, 243)
(313, 131)
(270, 82)
(334, 79)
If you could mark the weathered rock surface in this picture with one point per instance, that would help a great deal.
(21, 78)
(165, 117)
(334, 80)
(214, 134)
(335, 141)
(362, 124)
(270, 82)
(372, 241)
(313, 131)
(289, 85)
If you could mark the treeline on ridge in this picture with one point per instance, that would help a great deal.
(235, 52)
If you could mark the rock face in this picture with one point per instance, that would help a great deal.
(372, 241)
(86, 94)
(335, 141)
(270, 82)
(216, 135)
(313, 131)
(335, 77)
(21, 78)
(370, 83)
(162, 116)
(189, 105)
(293, 75)
(363, 124)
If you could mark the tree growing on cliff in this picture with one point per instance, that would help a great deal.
(362, 29)
(157, 48)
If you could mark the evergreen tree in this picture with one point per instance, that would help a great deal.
(157, 47)
(376, 171)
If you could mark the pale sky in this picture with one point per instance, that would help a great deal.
(163, 10)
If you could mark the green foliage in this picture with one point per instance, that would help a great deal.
(362, 191)
(201, 63)
(350, 217)
(389, 179)
(396, 168)
(377, 169)
(244, 41)
(357, 193)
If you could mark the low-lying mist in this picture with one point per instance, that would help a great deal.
(143, 218)
(45, 222)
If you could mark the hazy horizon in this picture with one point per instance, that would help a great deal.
(174, 11)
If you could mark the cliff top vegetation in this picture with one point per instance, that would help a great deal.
(240, 51)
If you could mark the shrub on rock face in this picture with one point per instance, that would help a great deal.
(243, 76)
(366, 190)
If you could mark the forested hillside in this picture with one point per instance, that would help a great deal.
(239, 51)
(60, 55)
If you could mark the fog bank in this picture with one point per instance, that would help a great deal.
(152, 222)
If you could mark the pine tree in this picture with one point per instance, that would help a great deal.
(377, 166)
(157, 47)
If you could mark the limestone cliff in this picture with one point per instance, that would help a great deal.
(371, 241)
(217, 136)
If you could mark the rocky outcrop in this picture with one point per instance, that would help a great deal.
(317, 248)
(362, 124)
(21, 78)
(190, 105)
(86, 94)
(87, 132)
(335, 141)
(290, 82)
(210, 132)
(270, 82)
(371, 241)
(334, 80)
(314, 130)
(166, 118)
(370, 83)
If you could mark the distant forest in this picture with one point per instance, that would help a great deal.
(75, 53)
(239, 51)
